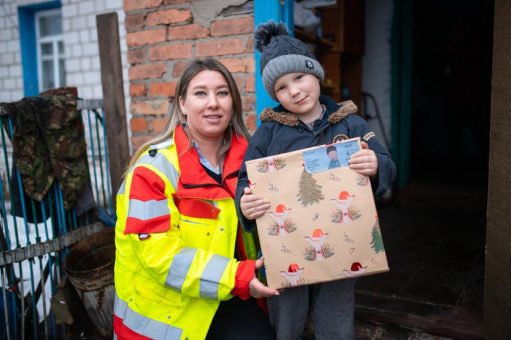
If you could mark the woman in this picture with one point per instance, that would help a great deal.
(177, 232)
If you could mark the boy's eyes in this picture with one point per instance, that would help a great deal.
(298, 77)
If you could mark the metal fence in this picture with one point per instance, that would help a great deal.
(35, 236)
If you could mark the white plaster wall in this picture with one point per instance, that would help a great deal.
(80, 46)
(376, 78)
(11, 84)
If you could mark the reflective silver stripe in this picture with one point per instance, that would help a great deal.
(210, 279)
(148, 209)
(161, 163)
(143, 325)
(121, 188)
(120, 307)
(179, 268)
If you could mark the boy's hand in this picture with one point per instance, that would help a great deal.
(253, 206)
(364, 161)
(257, 288)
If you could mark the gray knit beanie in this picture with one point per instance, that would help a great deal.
(282, 54)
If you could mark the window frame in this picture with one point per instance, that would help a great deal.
(28, 44)
(56, 55)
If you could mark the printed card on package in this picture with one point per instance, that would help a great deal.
(322, 224)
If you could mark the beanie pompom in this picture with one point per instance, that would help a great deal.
(265, 32)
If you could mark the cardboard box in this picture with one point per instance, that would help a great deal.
(322, 224)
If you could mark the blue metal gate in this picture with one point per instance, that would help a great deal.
(34, 244)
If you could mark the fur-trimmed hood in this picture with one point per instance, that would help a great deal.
(341, 111)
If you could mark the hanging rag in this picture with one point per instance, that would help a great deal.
(49, 143)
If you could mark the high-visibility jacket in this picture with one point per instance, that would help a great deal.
(175, 236)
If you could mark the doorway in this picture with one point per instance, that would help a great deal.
(434, 233)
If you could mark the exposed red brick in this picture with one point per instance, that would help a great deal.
(170, 16)
(250, 84)
(150, 107)
(138, 124)
(187, 32)
(248, 102)
(137, 141)
(220, 47)
(168, 52)
(232, 26)
(158, 124)
(130, 5)
(239, 81)
(137, 90)
(251, 122)
(146, 37)
(250, 45)
(173, 2)
(136, 56)
(179, 68)
(239, 65)
(134, 21)
(167, 89)
(151, 71)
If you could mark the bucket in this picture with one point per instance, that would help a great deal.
(90, 266)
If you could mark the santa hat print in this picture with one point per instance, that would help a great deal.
(344, 195)
(356, 266)
(280, 208)
(317, 233)
(293, 268)
(355, 270)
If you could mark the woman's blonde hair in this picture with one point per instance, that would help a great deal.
(176, 115)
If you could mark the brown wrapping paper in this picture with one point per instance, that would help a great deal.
(322, 224)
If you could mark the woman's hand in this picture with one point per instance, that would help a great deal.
(253, 206)
(257, 288)
(364, 161)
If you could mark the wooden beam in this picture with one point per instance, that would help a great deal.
(497, 297)
(113, 96)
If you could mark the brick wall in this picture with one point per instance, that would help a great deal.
(162, 36)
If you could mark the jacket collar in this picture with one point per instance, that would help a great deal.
(194, 181)
(337, 112)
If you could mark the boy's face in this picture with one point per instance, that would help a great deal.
(332, 154)
(299, 94)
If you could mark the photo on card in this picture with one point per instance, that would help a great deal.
(330, 156)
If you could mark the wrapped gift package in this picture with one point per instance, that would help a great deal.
(322, 224)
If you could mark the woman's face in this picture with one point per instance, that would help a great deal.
(208, 105)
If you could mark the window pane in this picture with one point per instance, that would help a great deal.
(47, 73)
(47, 49)
(50, 25)
(61, 48)
(62, 73)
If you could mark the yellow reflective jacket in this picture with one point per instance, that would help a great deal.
(175, 236)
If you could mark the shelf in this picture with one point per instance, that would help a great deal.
(311, 38)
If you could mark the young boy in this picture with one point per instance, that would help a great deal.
(304, 118)
(331, 152)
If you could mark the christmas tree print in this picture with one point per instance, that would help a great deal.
(376, 239)
(309, 191)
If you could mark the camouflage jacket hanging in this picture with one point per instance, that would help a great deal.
(48, 141)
